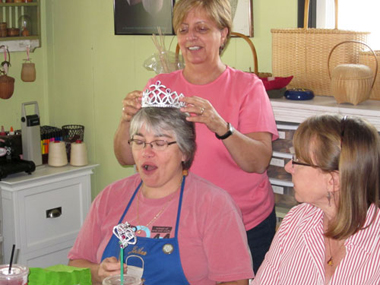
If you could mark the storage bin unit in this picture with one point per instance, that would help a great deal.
(43, 213)
(281, 180)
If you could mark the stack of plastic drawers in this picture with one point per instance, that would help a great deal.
(281, 180)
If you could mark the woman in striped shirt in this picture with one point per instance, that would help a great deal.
(333, 237)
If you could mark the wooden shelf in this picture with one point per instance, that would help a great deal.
(10, 14)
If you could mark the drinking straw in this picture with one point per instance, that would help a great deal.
(10, 262)
(121, 265)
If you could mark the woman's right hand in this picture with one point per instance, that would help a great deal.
(110, 266)
(131, 104)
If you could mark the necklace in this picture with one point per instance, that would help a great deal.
(164, 207)
(330, 260)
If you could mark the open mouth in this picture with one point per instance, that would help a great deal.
(148, 167)
(194, 48)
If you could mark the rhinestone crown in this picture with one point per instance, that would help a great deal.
(159, 96)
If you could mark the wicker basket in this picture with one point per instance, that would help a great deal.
(352, 83)
(366, 57)
(303, 53)
(254, 55)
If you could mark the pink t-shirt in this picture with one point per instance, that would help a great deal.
(212, 239)
(240, 98)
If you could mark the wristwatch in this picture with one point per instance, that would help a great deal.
(226, 135)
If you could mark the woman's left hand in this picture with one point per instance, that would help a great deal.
(251, 152)
(201, 111)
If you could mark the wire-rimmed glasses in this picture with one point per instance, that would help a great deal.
(159, 145)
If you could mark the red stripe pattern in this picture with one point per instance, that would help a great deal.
(297, 253)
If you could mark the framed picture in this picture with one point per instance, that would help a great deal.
(143, 17)
(242, 13)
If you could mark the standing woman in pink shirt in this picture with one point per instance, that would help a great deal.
(234, 120)
(333, 237)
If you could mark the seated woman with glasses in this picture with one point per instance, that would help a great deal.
(333, 237)
(184, 229)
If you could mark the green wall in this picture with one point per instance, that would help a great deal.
(84, 71)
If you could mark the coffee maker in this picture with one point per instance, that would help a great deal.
(10, 161)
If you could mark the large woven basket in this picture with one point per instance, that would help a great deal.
(303, 53)
(254, 55)
(366, 57)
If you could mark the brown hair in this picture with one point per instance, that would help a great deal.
(352, 147)
(218, 10)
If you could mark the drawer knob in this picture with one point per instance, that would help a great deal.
(54, 213)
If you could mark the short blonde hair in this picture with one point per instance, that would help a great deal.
(218, 10)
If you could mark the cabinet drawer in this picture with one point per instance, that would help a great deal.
(283, 193)
(276, 167)
(285, 146)
(43, 224)
(284, 143)
(48, 257)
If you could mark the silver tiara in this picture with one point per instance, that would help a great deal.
(159, 96)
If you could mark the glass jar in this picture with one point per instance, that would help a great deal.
(25, 25)
(127, 280)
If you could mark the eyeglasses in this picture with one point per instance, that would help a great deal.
(295, 161)
(156, 145)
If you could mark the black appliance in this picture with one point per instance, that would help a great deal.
(10, 161)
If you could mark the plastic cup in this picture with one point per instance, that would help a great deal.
(128, 280)
(17, 276)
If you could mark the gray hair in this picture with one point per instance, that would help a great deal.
(172, 120)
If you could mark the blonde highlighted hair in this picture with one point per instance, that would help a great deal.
(351, 146)
(218, 10)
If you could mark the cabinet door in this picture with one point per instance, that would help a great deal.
(44, 220)
(53, 213)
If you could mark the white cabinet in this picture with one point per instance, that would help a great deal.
(43, 212)
(297, 111)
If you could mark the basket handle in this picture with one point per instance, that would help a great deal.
(306, 14)
(6, 50)
(358, 42)
(251, 45)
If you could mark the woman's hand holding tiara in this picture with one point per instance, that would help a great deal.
(202, 111)
(131, 104)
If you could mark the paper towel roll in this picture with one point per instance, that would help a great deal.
(78, 155)
(57, 154)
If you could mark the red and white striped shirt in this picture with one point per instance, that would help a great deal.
(297, 253)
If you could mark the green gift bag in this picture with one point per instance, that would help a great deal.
(59, 275)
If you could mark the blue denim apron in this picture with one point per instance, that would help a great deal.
(159, 258)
